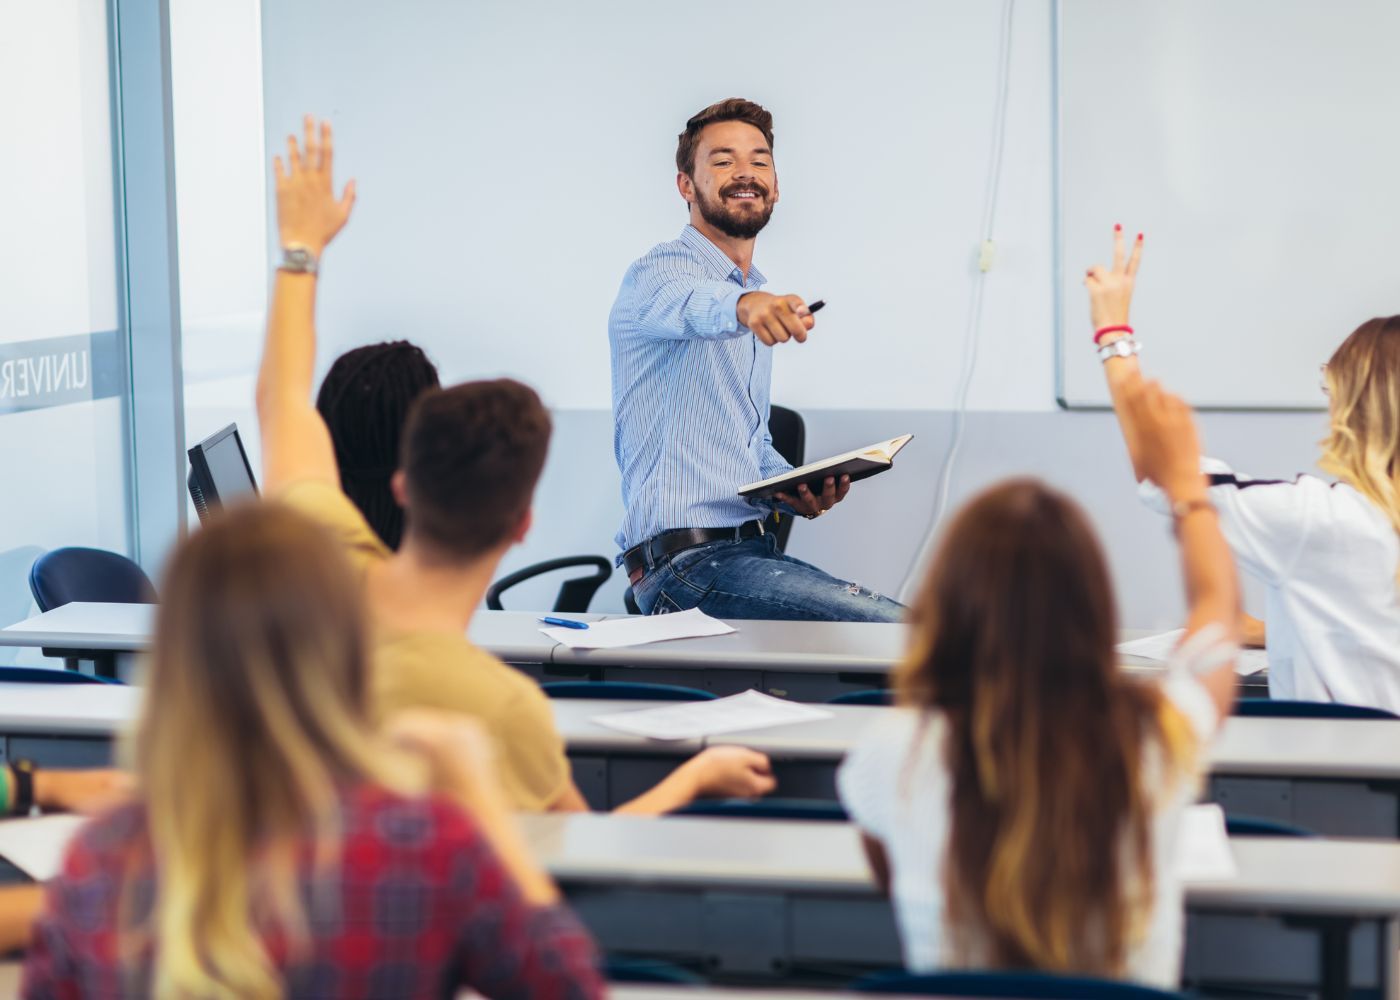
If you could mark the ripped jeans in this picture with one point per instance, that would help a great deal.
(752, 579)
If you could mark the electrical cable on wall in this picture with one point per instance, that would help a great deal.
(985, 257)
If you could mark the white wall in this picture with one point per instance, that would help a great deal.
(513, 157)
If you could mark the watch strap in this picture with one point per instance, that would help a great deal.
(298, 259)
(23, 801)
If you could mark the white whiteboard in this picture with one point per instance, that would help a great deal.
(1257, 144)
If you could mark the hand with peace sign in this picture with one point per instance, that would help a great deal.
(1111, 289)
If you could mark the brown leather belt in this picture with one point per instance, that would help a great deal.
(634, 560)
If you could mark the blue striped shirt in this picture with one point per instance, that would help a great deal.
(690, 392)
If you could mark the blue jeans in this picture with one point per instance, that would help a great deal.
(752, 579)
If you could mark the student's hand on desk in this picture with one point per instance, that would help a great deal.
(810, 504)
(730, 773)
(775, 319)
(308, 212)
(1169, 450)
(80, 791)
(1111, 289)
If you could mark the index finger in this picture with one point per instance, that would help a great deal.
(1136, 256)
(1118, 246)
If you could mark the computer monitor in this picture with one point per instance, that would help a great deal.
(219, 471)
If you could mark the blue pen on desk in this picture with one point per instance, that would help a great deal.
(564, 622)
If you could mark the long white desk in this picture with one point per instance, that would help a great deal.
(1335, 777)
(795, 900)
(804, 661)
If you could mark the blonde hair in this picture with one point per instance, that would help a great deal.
(254, 721)
(1050, 746)
(1362, 447)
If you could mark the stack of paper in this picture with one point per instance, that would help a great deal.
(1160, 648)
(696, 719)
(639, 631)
(36, 845)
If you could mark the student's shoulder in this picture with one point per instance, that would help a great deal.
(672, 256)
(327, 505)
(891, 737)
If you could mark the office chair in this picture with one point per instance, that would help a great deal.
(875, 696)
(69, 575)
(1254, 826)
(47, 675)
(789, 433)
(806, 809)
(625, 691)
(1278, 708)
(1008, 986)
(574, 595)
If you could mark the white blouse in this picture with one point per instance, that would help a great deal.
(1328, 557)
(896, 787)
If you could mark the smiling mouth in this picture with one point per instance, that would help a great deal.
(744, 196)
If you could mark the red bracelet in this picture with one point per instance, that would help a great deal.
(1105, 331)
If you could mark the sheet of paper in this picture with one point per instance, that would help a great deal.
(694, 719)
(36, 844)
(1203, 851)
(639, 631)
(1160, 648)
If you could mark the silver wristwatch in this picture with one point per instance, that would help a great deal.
(1123, 348)
(297, 259)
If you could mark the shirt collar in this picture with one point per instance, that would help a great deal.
(717, 258)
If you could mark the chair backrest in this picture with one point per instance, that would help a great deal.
(76, 574)
(50, 675)
(1277, 708)
(1257, 826)
(574, 595)
(789, 433)
(625, 691)
(875, 696)
(1008, 986)
(808, 809)
(618, 969)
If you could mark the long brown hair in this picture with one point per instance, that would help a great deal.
(255, 718)
(1014, 644)
(1363, 442)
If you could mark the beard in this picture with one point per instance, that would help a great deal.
(737, 221)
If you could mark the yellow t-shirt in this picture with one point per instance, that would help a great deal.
(446, 672)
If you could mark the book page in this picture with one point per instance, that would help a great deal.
(1160, 648)
(36, 844)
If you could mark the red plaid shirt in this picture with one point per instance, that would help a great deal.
(417, 906)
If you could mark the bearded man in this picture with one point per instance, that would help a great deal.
(691, 336)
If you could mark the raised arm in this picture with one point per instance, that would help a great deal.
(295, 442)
(1110, 296)
(1169, 454)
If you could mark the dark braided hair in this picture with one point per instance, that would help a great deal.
(365, 400)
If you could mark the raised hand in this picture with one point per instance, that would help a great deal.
(308, 212)
(1168, 449)
(775, 319)
(1111, 289)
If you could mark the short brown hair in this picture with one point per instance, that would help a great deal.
(735, 109)
(472, 455)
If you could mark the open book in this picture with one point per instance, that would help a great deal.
(859, 464)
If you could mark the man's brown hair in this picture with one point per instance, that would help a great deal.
(735, 109)
(472, 455)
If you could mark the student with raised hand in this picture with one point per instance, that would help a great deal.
(364, 400)
(1023, 803)
(1328, 553)
(472, 455)
(277, 846)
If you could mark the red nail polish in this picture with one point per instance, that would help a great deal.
(1139, 237)
(1117, 227)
